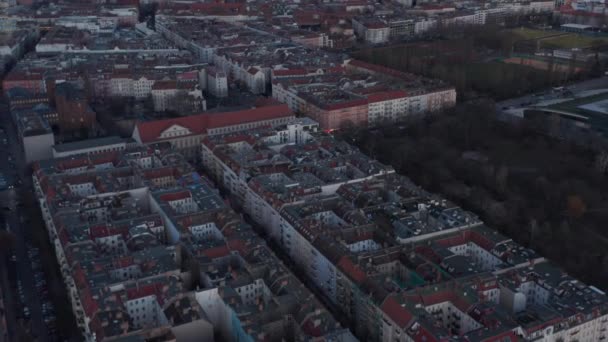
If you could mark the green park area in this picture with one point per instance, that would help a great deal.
(481, 63)
(528, 33)
(571, 41)
(556, 39)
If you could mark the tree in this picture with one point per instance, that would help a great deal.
(184, 104)
(564, 229)
(148, 11)
(540, 190)
(347, 126)
(195, 273)
(576, 206)
(7, 241)
(502, 176)
(605, 263)
(601, 162)
(555, 125)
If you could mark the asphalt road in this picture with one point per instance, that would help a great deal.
(515, 104)
(8, 301)
(21, 269)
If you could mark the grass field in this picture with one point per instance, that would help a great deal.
(527, 33)
(570, 41)
(561, 40)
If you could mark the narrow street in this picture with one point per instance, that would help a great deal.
(20, 270)
(8, 301)
(285, 259)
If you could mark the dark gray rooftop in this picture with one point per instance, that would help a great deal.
(89, 143)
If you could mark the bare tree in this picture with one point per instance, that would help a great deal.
(601, 162)
(7, 241)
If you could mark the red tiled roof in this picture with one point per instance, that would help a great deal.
(361, 236)
(188, 75)
(488, 284)
(88, 303)
(143, 291)
(150, 131)
(375, 25)
(344, 105)
(124, 261)
(216, 120)
(174, 196)
(308, 17)
(572, 11)
(422, 334)
(482, 241)
(352, 270)
(467, 236)
(446, 296)
(72, 163)
(386, 96)
(99, 232)
(164, 85)
(290, 72)
(237, 245)
(396, 312)
(216, 252)
(506, 336)
(158, 173)
(221, 251)
(310, 328)
(456, 240)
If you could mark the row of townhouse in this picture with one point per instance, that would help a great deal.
(148, 250)
(186, 133)
(401, 264)
(379, 29)
(334, 99)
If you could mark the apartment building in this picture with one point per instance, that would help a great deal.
(400, 263)
(185, 133)
(360, 94)
(371, 30)
(126, 223)
(214, 81)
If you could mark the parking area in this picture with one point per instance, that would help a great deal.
(513, 108)
(9, 177)
(48, 311)
(25, 300)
